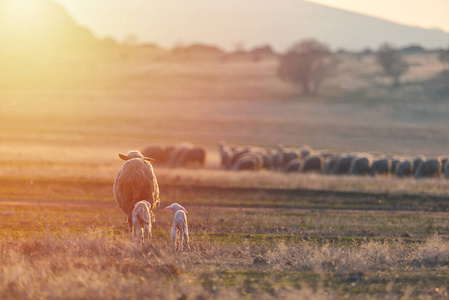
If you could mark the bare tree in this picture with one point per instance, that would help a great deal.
(392, 63)
(307, 64)
(444, 58)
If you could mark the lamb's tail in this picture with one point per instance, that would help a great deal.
(144, 218)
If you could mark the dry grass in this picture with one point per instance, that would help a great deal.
(99, 264)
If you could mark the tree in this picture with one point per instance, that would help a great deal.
(307, 64)
(392, 63)
(444, 57)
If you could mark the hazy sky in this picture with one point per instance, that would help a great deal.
(119, 18)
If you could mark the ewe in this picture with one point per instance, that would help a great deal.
(135, 181)
(179, 225)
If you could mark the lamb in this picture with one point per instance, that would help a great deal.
(135, 181)
(179, 225)
(142, 218)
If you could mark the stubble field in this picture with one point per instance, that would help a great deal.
(253, 235)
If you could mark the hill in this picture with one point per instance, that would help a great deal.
(255, 22)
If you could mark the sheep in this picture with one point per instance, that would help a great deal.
(360, 165)
(282, 156)
(135, 181)
(343, 164)
(404, 168)
(446, 170)
(329, 164)
(157, 152)
(225, 154)
(195, 155)
(381, 166)
(177, 153)
(429, 168)
(292, 166)
(394, 164)
(417, 161)
(251, 162)
(179, 225)
(305, 151)
(313, 162)
(142, 217)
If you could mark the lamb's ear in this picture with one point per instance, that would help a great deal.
(167, 208)
(184, 210)
(124, 157)
(148, 159)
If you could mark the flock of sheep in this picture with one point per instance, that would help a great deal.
(136, 192)
(305, 159)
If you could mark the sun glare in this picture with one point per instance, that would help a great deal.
(20, 15)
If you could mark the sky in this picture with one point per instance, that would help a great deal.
(119, 19)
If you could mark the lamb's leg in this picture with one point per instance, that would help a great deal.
(173, 238)
(186, 238)
(139, 234)
(181, 240)
(147, 235)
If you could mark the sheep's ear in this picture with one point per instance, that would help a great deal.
(148, 159)
(124, 157)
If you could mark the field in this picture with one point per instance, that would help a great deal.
(253, 235)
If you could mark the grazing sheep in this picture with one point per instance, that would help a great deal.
(195, 155)
(381, 166)
(313, 162)
(179, 225)
(329, 164)
(429, 168)
(360, 165)
(343, 164)
(177, 153)
(237, 153)
(394, 164)
(225, 154)
(250, 162)
(292, 166)
(446, 169)
(443, 160)
(135, 181)
(278, 158)
(417, 161)
(404, 168)
(305, 151)
(157, 152)
(142, 217)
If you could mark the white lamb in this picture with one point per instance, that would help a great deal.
(179, 225)
(142, 218)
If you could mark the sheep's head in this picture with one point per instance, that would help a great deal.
(134, 154)
(175, 207)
